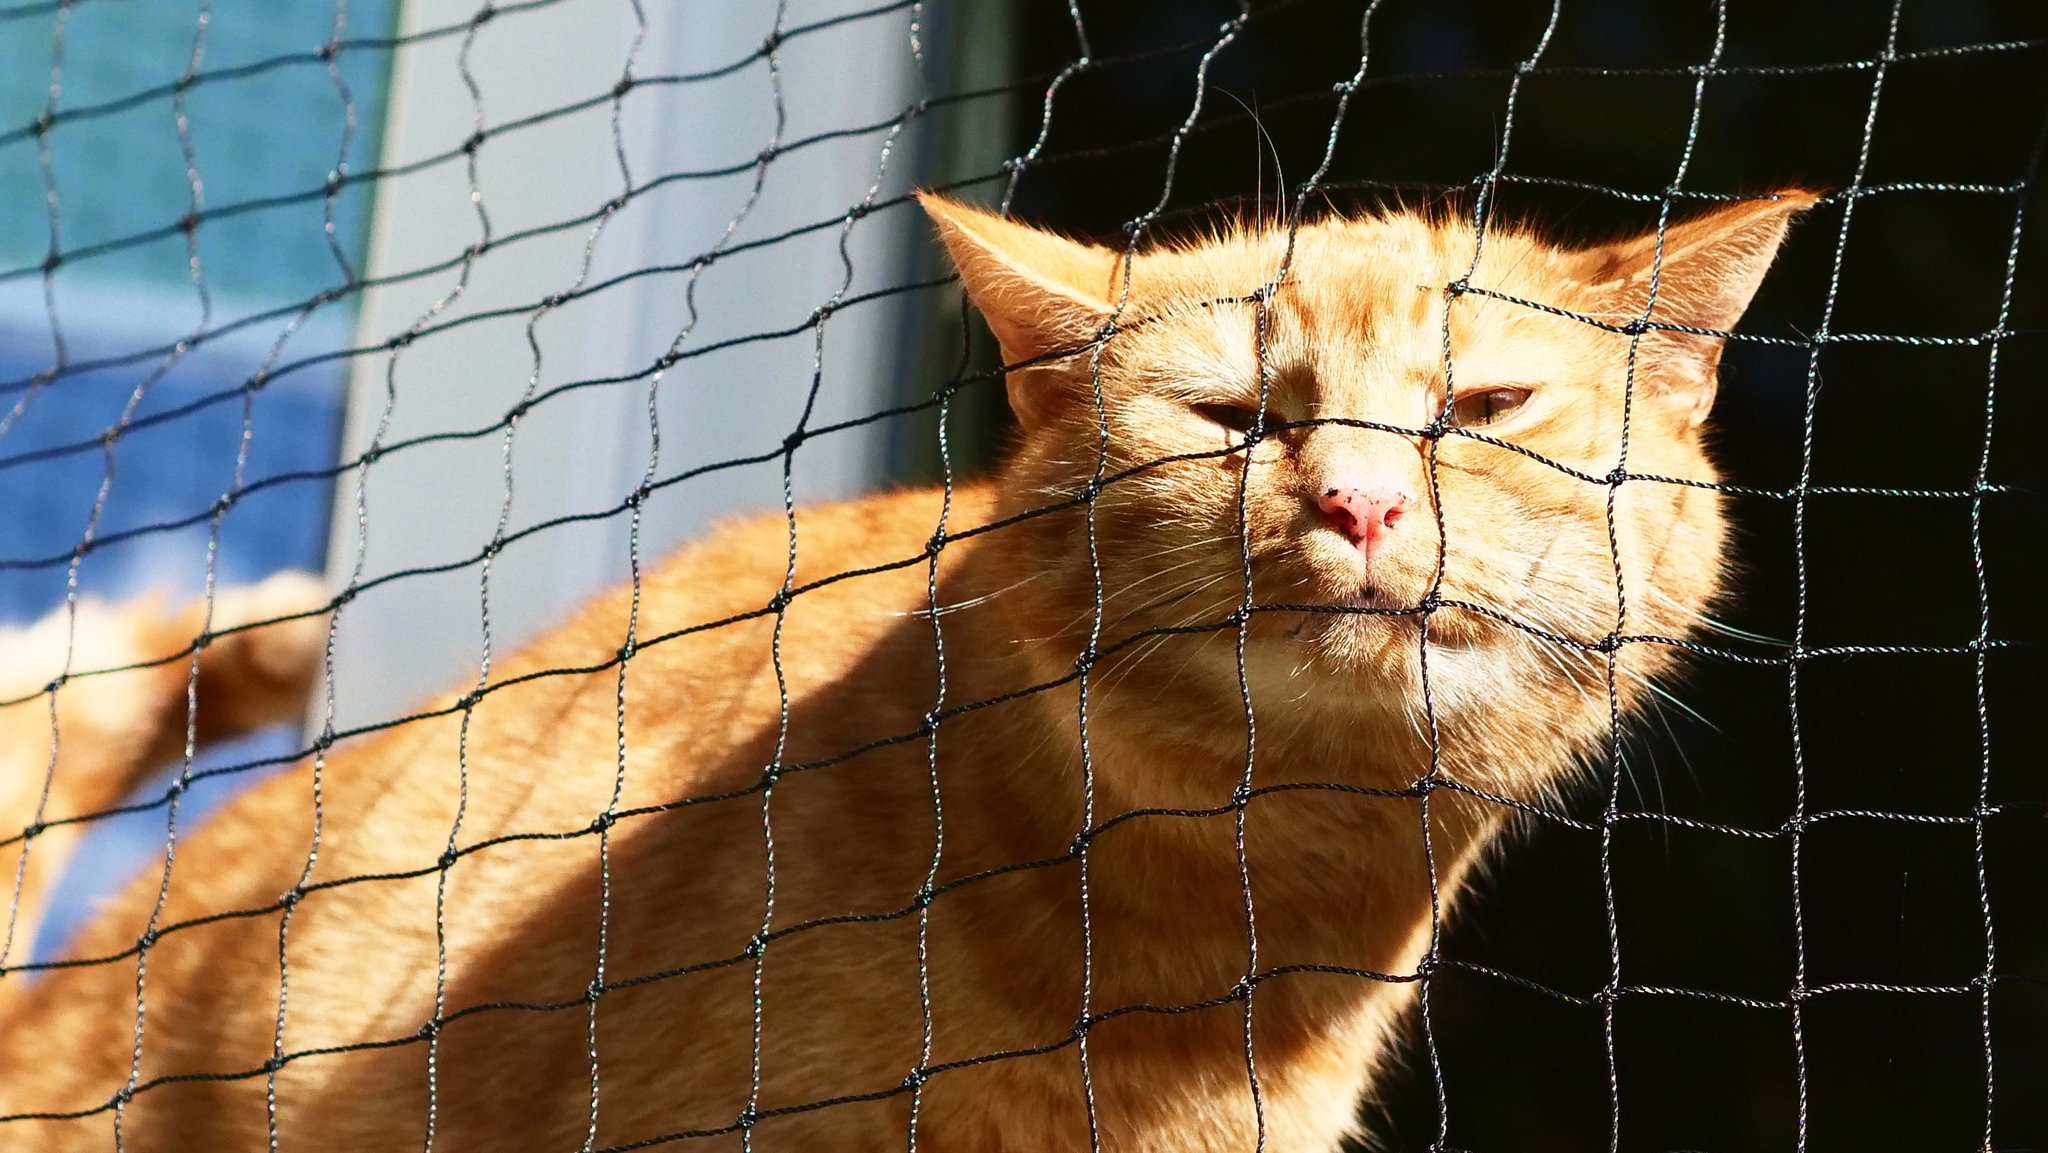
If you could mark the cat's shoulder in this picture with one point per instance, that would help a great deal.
(895, 528)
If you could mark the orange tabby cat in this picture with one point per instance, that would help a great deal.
(772, 948)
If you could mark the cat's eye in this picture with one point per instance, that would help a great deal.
(1484, 406)
(1235, 417)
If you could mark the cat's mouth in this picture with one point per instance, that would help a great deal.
(1368, 609)
(1379, 612)
(1374, 599)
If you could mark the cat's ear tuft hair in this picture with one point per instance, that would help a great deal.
(1040, 292)
(1707, 270)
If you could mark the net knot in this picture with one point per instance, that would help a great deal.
(1457, 288)
(756, 946)
(1242, 991)
(483, 16)
(925, 897)
(147, 940)
(290, 897)
(468, 701)
(593, 991)
(936, 542)
(475, 141)
(429, 1030)
(779, 601)
(1609, 643)
(32, 830)
(447, 859)
(1085, 663)
(1240, 796)
(794, 439)
(273, 1063)
(41, 125)
(915, 1079)
(188, 222)
(52, 261)
(624, 85)
(772, 41)
(1636, 326)
(603, 821)
(226, 502)
(57, 682)
(627, 651)
(325, 52)
(1081, 1027)
(1615, 476)
(930, 723)
(176, 788)
(1079, 844)
(746, 1119)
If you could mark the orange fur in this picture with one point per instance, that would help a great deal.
(1338, 877)
(112, 730)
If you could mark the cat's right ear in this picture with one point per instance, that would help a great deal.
(1041, 293)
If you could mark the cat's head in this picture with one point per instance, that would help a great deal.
(1200, 389)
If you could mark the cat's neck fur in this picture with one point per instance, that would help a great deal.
(1329, 862)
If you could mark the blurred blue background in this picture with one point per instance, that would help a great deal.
(266, 121)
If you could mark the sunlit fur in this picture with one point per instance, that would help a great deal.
(1119, 931)
(81, 748)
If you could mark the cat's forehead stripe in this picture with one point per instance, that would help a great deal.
(1356, 322)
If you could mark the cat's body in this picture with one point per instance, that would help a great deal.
(817, 1039)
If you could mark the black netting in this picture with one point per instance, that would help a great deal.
(1799, 911)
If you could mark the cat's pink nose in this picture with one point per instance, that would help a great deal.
(1364, 515)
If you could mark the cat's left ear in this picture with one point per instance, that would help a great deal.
(1040, 292)
(1707, 269)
